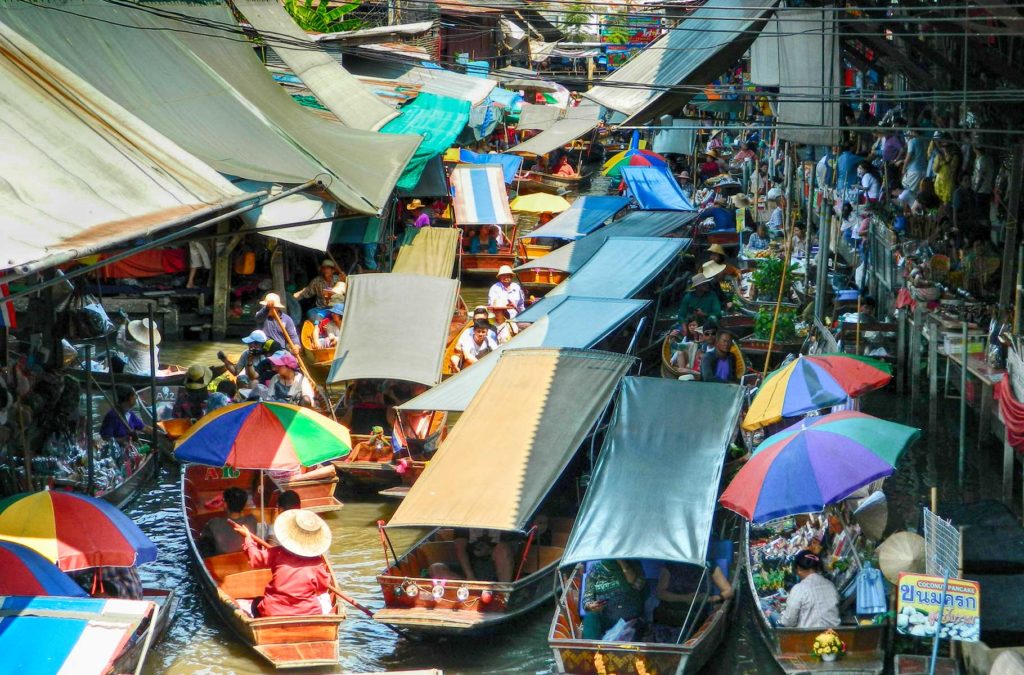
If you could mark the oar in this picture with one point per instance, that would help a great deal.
(302, 365)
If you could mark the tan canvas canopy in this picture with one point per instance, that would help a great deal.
(428, 250)
(514, 440)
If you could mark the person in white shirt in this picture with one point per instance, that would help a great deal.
(330, 328)
(289, 385)
(504, 330)
(473, 346)
(814, 601)
(507, 293)
(133, 340)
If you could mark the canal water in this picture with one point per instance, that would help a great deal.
(199, 643)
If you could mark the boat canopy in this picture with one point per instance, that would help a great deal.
(573, 322)
(428, 250)
(510, 164)
(655, 488)
(438, 120)
(619, 269)
(574, 123)
(514, 440)
(656, 189)
(371, 348)
(584, 216)
(573, 256)
(479, 196)
(705, 43)
(66, 635)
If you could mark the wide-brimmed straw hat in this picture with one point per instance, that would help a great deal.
(503, 270)
(711, 269)
(303, 533)
(716, 248)
(740, 201)
(413, 205)
(684, 174)
(198, 376)
(698, 280)
(140, 331)
(272, 300)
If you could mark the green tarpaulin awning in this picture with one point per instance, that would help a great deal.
(438, 120)
(655, 488)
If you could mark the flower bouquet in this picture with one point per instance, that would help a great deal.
(828, 646)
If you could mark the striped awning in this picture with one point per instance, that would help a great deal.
(479, 197)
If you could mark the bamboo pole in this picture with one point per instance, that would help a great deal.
(272, 311)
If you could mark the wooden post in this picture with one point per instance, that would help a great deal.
(933, 359)
(152, 385)
(915, 350)
(277, 268)
(223, 248)
(901, 350)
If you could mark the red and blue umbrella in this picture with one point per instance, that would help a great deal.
(28, 573)
(811, 383)
(817, 462)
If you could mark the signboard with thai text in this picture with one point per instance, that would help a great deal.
(918, 601)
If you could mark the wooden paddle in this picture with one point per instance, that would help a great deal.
(302, 365)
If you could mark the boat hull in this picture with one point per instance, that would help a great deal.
(124, 493)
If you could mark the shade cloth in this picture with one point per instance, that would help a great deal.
(635, 507)
(585, 215)
(207, 91)
(433, 182)
(151, 263)
(44, 635)
(619, 269)
(428, 251)
(438, 120)
(80, 172)
(575, 123)
(810, 81)
(372, 347)
(334, 87)
(573, 256)
(510, 164)
(764, 55)
(358, 230)
(706, 42)
(534, 117)
(1011, 412)
(679, 137)
(514, 440)
(572, 322)
(296, 208)
(656, 189)
(479, 196)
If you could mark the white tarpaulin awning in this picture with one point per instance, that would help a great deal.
(79, 172)
(336, 89)
(575, 123)
(694, 53)
(296, 208)
(810, 81)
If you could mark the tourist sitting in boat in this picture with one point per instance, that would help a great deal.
(193, 403)
(613, 590)
(504, 330)
(700, 302)
(300, 583)
(479, 343)
(288, 384)
(813, 602)
(720, 364)
(320, 290)
(482, 556)
(484, 240)
(564, 168)
(254, 362)
(680, 587)
(376, 448)
(329, 329)
(506, 292)
(218, 535)
(110, 582)
(133, 341)
(121, 423)
(760, 239)
(226, 394)
(270, 319)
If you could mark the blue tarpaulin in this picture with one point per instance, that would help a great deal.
(510, 164)
(655, 189)
(438, 120)
(584, 216)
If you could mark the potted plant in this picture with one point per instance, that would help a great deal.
(828, 646)
(767, 277)
(785, 326)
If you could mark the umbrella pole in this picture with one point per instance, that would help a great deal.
(263, 520)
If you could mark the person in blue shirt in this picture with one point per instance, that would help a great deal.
(725, 218)
(846, 169)
(122, 422)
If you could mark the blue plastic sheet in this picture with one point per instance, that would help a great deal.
(510, 164)
(655, 189)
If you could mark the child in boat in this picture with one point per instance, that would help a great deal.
(300, 582)
(218, 536)
(329, 329)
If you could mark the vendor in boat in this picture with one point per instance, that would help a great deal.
(482, 555)
(289, 385)
(474, 346)
(814, 601)
(320, 290)
(300, 582)
(376, 448)
(506, 292)
(504, 329)
(121, 422)
(720, 364)
(613, 590)
(271, 318)
(775, 203)
(218, 535)
(564, 168)
(685, 184)
(254, 363)
(484, 240)
(724, 218)
(700, 302)
(193, 403)
(679, 587)
(133, 340)
(760, 239)
(419, 212)
(329, 329)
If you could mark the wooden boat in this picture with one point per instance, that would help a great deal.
(315, 488)
(167, 605)
(540, 280)
(228, 582)
(318, 359)
(129, 489)
(419, 430)
(534, 181)
(669, 371)
(489, 263)
(756, 349)
(169, 375)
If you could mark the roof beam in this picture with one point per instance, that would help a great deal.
(892, 53)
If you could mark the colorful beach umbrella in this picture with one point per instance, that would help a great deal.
(540, 202)
(264, 435)
(819, 461)
(632, 157)
(28, 573)
(811, 383)
(73, 530)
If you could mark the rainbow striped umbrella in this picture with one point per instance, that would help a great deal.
(811, 383)
(817, 462)
(74, 531)
(28, 573)
(263, 435)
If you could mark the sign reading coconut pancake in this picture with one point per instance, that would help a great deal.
(920, 598)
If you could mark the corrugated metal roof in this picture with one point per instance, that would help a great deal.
(377, 31)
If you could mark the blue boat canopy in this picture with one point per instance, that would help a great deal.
(655, 488)
(572, 257)
(573, 322)
(656, 189)
(619, 269)
(584, 216)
